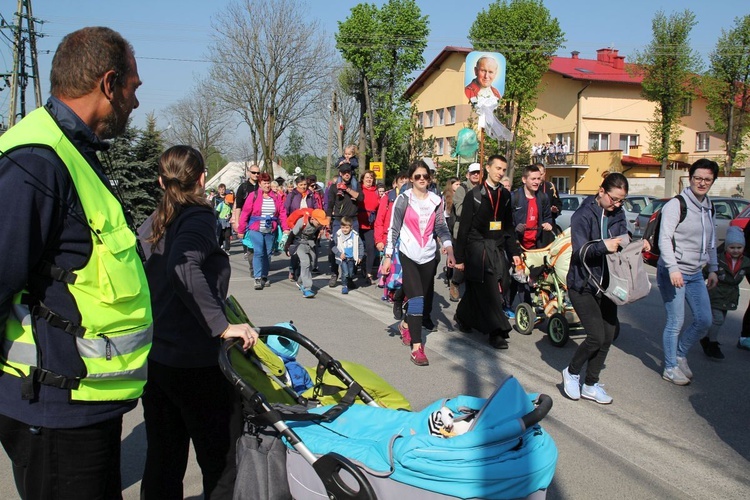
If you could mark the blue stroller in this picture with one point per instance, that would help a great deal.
(367, 451)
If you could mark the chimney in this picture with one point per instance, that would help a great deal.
(574, 54)
(619, 62)
(604, 55)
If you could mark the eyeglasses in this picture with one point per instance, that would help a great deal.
(475, 173)
(702, 180)
(419, 177)
(615, 201)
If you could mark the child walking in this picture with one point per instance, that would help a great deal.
(734, 266)
(349, 251)
(307, 224)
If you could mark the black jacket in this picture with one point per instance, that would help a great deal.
(521, 208)
(585, 226)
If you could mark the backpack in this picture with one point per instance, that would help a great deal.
(651, 233)
(628, 280)
(292, 218)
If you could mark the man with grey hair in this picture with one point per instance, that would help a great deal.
(75, 310)
(485, 73)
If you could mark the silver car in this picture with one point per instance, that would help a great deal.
(570, 203)
(634, 204)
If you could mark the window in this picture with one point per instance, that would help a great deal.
(427, 119)
(598, 141)
(701, 141)
(420, 119)
(451, 115)
(561, 184)
(627, 140)
(687, 107)
(440, 143)
(440, 117)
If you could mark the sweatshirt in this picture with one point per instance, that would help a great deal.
(689, 245)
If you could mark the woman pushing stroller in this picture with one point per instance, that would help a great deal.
(601, 221)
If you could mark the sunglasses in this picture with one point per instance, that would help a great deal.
(254, 173)
(419, 177)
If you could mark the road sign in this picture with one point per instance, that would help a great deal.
(377, 167)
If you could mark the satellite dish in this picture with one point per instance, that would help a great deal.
(297, 170)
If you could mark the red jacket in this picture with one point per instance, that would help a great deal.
(368, 206)
(383, 218)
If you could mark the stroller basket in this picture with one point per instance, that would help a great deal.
(344, 450)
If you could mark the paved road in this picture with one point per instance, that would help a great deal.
(656, 441)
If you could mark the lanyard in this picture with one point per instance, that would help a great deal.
(495, 208)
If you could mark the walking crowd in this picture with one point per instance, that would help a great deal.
(92, 313)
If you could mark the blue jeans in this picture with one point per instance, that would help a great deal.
(695, 293)
(347, 269)
(262, 248)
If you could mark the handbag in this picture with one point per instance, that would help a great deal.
(628, 280)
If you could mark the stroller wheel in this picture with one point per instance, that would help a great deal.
(558, 330)
(525, 318)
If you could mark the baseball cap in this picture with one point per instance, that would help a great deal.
(345, 167)
(320, 216)
(475, 167)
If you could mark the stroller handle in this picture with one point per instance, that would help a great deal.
(543, 405)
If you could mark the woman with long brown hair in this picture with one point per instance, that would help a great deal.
(186, 396)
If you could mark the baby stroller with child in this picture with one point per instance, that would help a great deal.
(545, 272)
(318, 444)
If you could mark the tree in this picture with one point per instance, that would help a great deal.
(384, 46)
(727, 88)
(669, 68)
(294, 148)
(528, 36)
(200, 121)
(271, 65)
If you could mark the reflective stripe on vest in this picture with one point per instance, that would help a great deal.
(110, 291)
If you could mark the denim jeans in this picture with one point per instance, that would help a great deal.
(335, 226)
(695, 293)
(347, 269)
(262, 248)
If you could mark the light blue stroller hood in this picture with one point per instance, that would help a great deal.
(496, 458)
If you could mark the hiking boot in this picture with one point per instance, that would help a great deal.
(307, 293)
(344, 290)
(332, 281)
(596, 393)
(463, 328)
(398, 309)
(351, 284)
(675, 376)
(498, 341)
(258, 284)
(684, 368)
(509, 313)
(571, 385)
(712, 349)
(266, 282)
(418, 357)
(428, 325)
(405, 334)
(454, 294)
(744, 343)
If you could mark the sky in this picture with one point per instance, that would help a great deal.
(171, 37)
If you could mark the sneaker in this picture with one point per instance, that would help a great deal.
(571, 385)
(704, 344)
(307, 293)
(351, 284)
(714, 351)
(344, 290)
(684, 368)
(266, 282)
(405, 335)
(332, 281)
(463, 328)
(675, 376)
(428, 325)
(509, 313)
(291, 276)
(398, 310)
(418, 357)
(744, 343)
(258, 284)
(315, 270)
(454, 294)
(596, 393)
(368, 280)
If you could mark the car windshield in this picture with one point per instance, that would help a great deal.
(570, 203)
(653, 207)
(635, 205)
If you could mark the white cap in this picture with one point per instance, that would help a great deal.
(430, 164)
(475, 167)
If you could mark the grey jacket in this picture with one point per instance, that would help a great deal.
(689, 245)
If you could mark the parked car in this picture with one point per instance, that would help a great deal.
(570, 203)
(725, 209)
(742, 219)
(633, 206)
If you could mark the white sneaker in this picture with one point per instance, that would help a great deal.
(571, 385)
(675, 376)
(684, 368)
(596, 393)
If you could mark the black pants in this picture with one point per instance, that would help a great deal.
(371, 253)
(746, 323)
(419, 286)
(64, 463)
(599, 318)
(184, 404)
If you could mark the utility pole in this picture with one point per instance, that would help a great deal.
(19, 77)
(330, 138)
